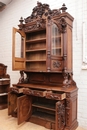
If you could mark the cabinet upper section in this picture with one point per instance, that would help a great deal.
(43, 42)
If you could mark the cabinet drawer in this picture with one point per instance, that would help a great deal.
(16, 90)
(55, 95)
(39, 93)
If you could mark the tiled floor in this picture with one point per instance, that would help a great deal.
(10, 123)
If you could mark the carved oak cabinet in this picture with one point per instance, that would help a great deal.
(46, 93)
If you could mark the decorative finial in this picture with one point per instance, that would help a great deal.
(21, 20)
(63, 8)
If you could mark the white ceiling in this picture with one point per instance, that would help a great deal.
(3, 4)
(5, 1)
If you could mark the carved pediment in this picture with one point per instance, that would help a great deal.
(42, 11)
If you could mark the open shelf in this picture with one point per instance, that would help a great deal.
(38, 65)
(44, 106)
(43, 115)
(35, 50)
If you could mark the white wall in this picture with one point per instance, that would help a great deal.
(10, 18)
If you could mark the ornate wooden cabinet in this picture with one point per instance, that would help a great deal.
(4, 86)
(46, 93)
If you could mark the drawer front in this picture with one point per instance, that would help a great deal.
(16, 90)
(55, 96)
(34, 92)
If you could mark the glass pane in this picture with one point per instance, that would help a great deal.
(19, 45)
(55, 41)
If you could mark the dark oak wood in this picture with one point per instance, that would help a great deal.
(4, 86)
(46, 93)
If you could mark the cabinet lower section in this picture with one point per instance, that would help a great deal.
(3, 101)
(55, 110)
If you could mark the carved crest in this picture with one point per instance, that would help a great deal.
(39, 14)
(42, 11)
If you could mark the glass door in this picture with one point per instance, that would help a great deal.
(56, 41)
(18, 50)
(56, 48)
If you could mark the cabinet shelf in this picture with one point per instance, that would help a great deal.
(44, 106)
(36, 40)
(33, 50)
(38, 60)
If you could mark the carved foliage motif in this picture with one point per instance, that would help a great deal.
(41, 11)
(60, 110)
(67, 79)
(56, 64)
(67, 111)
(40, 23)
(61, 23)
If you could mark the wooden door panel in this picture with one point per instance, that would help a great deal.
(12, 103)
(24, 105)
(18, 50)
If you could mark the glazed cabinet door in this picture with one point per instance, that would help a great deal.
(18, 50)
(54, 47)
(24, 105)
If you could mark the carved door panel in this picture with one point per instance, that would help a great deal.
(12, 103)
(56, 47)
(60, 115)
(18, 50)
(24, 105)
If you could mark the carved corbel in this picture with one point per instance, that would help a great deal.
(67, 79)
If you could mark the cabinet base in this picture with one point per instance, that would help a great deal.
(42, 122)
(49, 124)
(72, 127)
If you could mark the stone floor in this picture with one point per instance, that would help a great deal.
(10, 123)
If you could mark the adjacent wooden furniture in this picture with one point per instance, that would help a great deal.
(46, 93)
(4, 86)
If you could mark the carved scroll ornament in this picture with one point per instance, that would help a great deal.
(40, 23)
